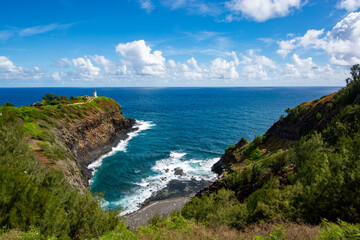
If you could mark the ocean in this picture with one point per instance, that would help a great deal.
(181, 133)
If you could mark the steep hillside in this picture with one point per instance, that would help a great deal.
(69, 136)
(44, 153)
(305, 167)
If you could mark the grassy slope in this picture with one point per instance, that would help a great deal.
(35, 190)
(305, 168)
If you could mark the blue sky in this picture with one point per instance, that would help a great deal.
(178, 42)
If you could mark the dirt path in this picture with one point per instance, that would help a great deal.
(81, 102)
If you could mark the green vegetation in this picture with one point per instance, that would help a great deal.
(318, 178)
(35, 196)
(323, 182)
(313, 182)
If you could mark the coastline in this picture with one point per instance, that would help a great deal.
(119, 136)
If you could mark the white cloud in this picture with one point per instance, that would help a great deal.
(147, 5)
(85, 68)
(26, 32)
(192, 62)
(89, 68)
(195, 6)
(350, 5)
(302, 70)
(9, 71)
(139, 56)
(105, 63)
(341, 43)
(62, 63)
(221, 68)
(256, 67)
(56, 76)
(261, 10)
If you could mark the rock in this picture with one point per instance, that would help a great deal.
(167, 170)
(37, 104)
(94, 134)
(178, 172)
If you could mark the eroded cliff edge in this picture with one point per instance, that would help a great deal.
(93, 135)
(69, 136)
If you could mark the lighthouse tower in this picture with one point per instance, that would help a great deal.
(95, 94)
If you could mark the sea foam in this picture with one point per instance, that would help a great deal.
(198, 169)
(121, 146)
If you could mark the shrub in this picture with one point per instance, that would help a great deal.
(342, 230)
(217, 209)
(255, 155)
(318, 116)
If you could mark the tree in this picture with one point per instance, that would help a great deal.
(63, 98)
(355, 74)
(49, 97)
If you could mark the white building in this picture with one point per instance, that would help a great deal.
(95, 94)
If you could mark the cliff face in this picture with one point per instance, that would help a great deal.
(69, 136)
(93, 135)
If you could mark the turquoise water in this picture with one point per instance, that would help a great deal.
(178, 127)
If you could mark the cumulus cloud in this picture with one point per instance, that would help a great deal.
(85, 68)
(261, 10)
(104, 62)
(341, 43)
(223, 69)
(62, 63)
(88, 68)
(9, 71)
(256, 67)
(350, 5)
(220, 68)
(306, 69)
(139, 56)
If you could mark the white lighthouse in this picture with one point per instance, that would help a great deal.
(95, 94)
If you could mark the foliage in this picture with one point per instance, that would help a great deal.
(318, 116)
(318, 178)
(276, 234)
(32, 195)
(217, 209)
(255, 155)
(342, 230)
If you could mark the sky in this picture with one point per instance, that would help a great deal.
(178, 43)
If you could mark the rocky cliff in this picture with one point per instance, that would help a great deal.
(95, 133)
(71, 136)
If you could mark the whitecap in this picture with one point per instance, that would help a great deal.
(198, 169)
(122, 145)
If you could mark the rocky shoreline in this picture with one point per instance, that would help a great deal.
(171, 198)
(121, 134)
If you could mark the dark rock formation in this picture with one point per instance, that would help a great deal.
(178, 172)
(227, 158)
(94, 134)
